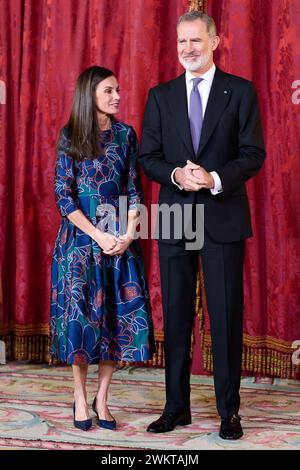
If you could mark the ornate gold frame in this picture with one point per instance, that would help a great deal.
(198, 5)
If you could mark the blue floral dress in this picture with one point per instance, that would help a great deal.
(100, 307)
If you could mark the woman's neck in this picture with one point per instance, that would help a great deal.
(104, 122)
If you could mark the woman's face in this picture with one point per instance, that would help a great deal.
(107, 96)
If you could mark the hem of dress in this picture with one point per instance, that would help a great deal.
(54, 357)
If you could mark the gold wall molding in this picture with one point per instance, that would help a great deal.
(198, 5)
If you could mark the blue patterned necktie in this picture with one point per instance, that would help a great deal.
(196, 114)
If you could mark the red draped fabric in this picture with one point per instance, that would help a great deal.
(44, 45)
(260, 41)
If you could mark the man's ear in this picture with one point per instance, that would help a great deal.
(215, 42)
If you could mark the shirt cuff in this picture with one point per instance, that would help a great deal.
(218, 185)
(173, 180)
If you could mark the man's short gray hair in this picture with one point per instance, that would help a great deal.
(200, 15)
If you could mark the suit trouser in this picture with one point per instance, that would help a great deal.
(223, 279)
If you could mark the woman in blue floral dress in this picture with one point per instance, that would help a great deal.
(100, 310)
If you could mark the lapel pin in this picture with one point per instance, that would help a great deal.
(225, 91)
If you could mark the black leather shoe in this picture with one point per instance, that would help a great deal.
(168, 421)
(231, 428)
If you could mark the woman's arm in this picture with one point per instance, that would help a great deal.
(79, 219)
(106, 241)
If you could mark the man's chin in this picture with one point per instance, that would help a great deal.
(191, 66)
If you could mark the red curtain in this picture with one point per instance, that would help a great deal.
(260, 41)
(44, 45)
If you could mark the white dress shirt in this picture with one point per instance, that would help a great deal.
(204, 89)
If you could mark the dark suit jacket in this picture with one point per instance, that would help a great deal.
(231, 144)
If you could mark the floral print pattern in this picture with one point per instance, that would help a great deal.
(100, 307)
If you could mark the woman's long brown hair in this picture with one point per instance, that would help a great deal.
(82, 127)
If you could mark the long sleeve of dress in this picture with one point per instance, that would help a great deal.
(134, 186)
(65, 180)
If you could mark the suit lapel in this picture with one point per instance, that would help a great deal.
(179, 108)
(218, 100)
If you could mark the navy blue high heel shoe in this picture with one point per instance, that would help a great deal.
(103, 423)
(83, 425)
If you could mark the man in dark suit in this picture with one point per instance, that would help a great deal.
(202, 141)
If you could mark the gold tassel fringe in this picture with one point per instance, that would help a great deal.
(35, 348)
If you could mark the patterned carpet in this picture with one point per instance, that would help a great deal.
(35, 412)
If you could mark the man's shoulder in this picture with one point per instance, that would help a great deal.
(166, 86)
(235, 80)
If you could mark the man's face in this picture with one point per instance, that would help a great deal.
(194, 46)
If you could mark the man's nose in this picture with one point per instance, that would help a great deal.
(189, 46)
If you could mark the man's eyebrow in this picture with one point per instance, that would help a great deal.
(192, 39)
